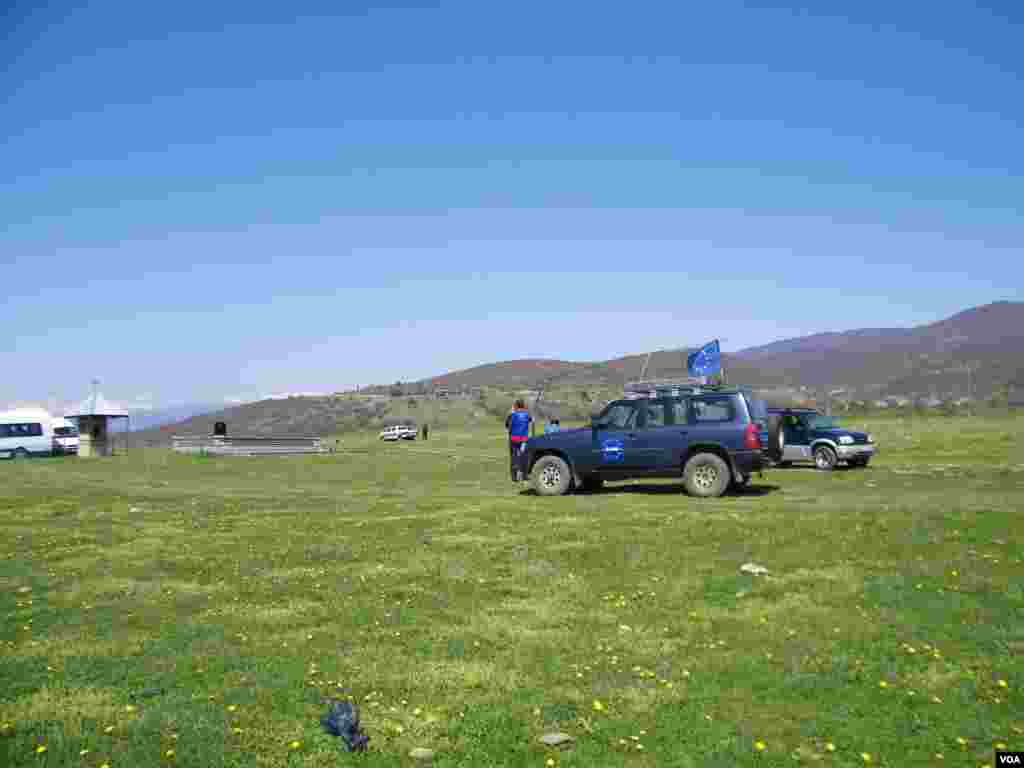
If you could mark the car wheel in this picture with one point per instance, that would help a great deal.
(592, 484)
(741, 482)
(776, 438)
(706, 475)
(551, 476)
(19, 453)
(825, 458)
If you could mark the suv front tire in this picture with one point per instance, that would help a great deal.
(551, 476)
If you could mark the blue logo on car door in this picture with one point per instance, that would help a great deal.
(613, 450)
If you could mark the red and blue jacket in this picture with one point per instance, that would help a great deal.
(518, 426)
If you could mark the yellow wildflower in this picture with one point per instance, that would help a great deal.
(865, 756)
(40, 749)
(760, 746)
(598, 706)
(295, 744)
(830, 747)
(169, 753)
(1002, 683)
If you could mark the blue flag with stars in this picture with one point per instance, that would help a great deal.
(705, 361)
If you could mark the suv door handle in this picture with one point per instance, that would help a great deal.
(631, 435)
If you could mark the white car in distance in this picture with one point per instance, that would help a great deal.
(399, 432)
(65, 437)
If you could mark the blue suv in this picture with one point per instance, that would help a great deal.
(714, 438)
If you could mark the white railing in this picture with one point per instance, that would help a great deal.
(246, 446)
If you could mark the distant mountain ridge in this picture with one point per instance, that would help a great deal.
(869, 363)
(926, 359)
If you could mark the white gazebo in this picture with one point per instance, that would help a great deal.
(93, 416)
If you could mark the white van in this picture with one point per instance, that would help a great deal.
(25, 433)
(399, 432)
(65, 437)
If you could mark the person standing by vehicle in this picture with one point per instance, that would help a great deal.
(518, 425)
(426, 431)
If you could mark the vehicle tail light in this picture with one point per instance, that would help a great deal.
(751, 436)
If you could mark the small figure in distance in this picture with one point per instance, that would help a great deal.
(518, 425)
(426, 431)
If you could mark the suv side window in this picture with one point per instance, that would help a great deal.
(654, 413)
(680, 410)
(712, 410)
(620, 416)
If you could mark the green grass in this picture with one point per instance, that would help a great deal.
(469, 618)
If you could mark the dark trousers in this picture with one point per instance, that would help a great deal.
(513, 449)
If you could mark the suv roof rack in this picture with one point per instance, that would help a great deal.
(635, 390)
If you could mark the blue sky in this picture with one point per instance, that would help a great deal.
(210, 200)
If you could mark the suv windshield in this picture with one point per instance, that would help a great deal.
(822, 422)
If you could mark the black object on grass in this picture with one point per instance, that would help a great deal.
(342, 719)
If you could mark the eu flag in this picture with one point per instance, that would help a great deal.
(705, 361)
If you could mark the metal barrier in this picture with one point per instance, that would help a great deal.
(220, 445)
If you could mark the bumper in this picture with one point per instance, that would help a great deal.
(749, 461)
(847, 452)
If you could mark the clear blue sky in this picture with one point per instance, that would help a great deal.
(204, 200)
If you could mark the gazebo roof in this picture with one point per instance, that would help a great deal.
(97, 405)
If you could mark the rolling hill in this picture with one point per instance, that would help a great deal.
(869, 362)
(873, 362)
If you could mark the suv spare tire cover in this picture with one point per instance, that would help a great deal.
(776, 436)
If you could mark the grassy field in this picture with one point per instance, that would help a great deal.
(161, 610)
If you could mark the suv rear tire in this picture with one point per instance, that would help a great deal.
(550, 476)
(706, 475)
(776, 437)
